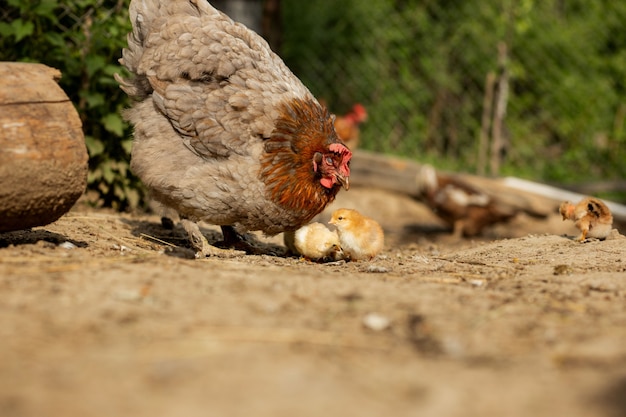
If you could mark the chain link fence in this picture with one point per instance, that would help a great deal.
(537, 89)
(485, 86)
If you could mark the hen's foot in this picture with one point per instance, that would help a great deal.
(246, 243)
(201, 245)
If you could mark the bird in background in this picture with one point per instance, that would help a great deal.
(223, 131)
(590, 215)
(465, 208)
(360, 237)
(348, 125)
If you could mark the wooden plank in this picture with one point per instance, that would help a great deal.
(398, 175)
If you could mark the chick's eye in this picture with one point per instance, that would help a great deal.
(339, 218)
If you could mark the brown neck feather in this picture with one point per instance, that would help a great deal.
(302, 129)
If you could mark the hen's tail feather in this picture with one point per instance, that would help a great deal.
(144, 15)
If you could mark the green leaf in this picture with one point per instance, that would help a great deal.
(94, 63)
(94, 146)
(46, 8)
(113, 123)
(127, 145)
(94, 99)
(118, 191)
(112, 69)
(133, 197)
(22, 29)
(103, 187)
(107, 173)
(6, 30)
(55, 39)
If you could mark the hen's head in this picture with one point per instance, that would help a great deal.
(333, 166)
(359, 112)
(305, 164)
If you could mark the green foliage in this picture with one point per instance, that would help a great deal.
(83, 39)
(420, 68)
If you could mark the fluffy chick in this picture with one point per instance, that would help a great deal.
(360, 236)
(314, 241)
(591, 216)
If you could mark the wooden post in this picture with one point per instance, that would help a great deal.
(502, 97)
(485, 126)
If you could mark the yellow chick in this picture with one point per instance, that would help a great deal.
(360, 236)
(591, 216)
(314, 241)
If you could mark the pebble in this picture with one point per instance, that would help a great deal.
(67, 245)
(376, 322)
(377, 269)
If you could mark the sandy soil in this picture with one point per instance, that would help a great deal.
(104, 314)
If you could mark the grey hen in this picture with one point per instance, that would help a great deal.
(224, 132)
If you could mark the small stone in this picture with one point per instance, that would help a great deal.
(67, 245)
(376, 322)
(562, 270)
(123, 249)
(377, 269)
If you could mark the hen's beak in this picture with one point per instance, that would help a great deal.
(344, 181)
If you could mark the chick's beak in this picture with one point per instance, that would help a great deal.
(343, 180)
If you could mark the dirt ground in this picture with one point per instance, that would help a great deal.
(104, 314)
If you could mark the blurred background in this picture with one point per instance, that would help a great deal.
(529, 88)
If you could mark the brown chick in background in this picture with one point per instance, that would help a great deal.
(347, 126)
(591, 216)
(224, 132)
(467, 209)
(360, 237)
(314, 241)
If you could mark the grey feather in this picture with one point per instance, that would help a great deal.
(208, 93)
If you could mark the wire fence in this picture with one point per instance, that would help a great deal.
(486, 86)
(490, 86)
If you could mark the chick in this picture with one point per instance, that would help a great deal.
(314, 241)
(360, 237)
(591, 216)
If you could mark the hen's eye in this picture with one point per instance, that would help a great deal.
(329, 160)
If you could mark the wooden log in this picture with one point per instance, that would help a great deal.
(398, 175)
(43, 157)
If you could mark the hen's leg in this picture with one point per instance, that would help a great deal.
(231, 237)
(201, 245)
(167, 223)
(246, 243)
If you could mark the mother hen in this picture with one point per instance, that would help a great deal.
(223, 131)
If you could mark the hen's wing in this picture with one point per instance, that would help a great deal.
(217, 82)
